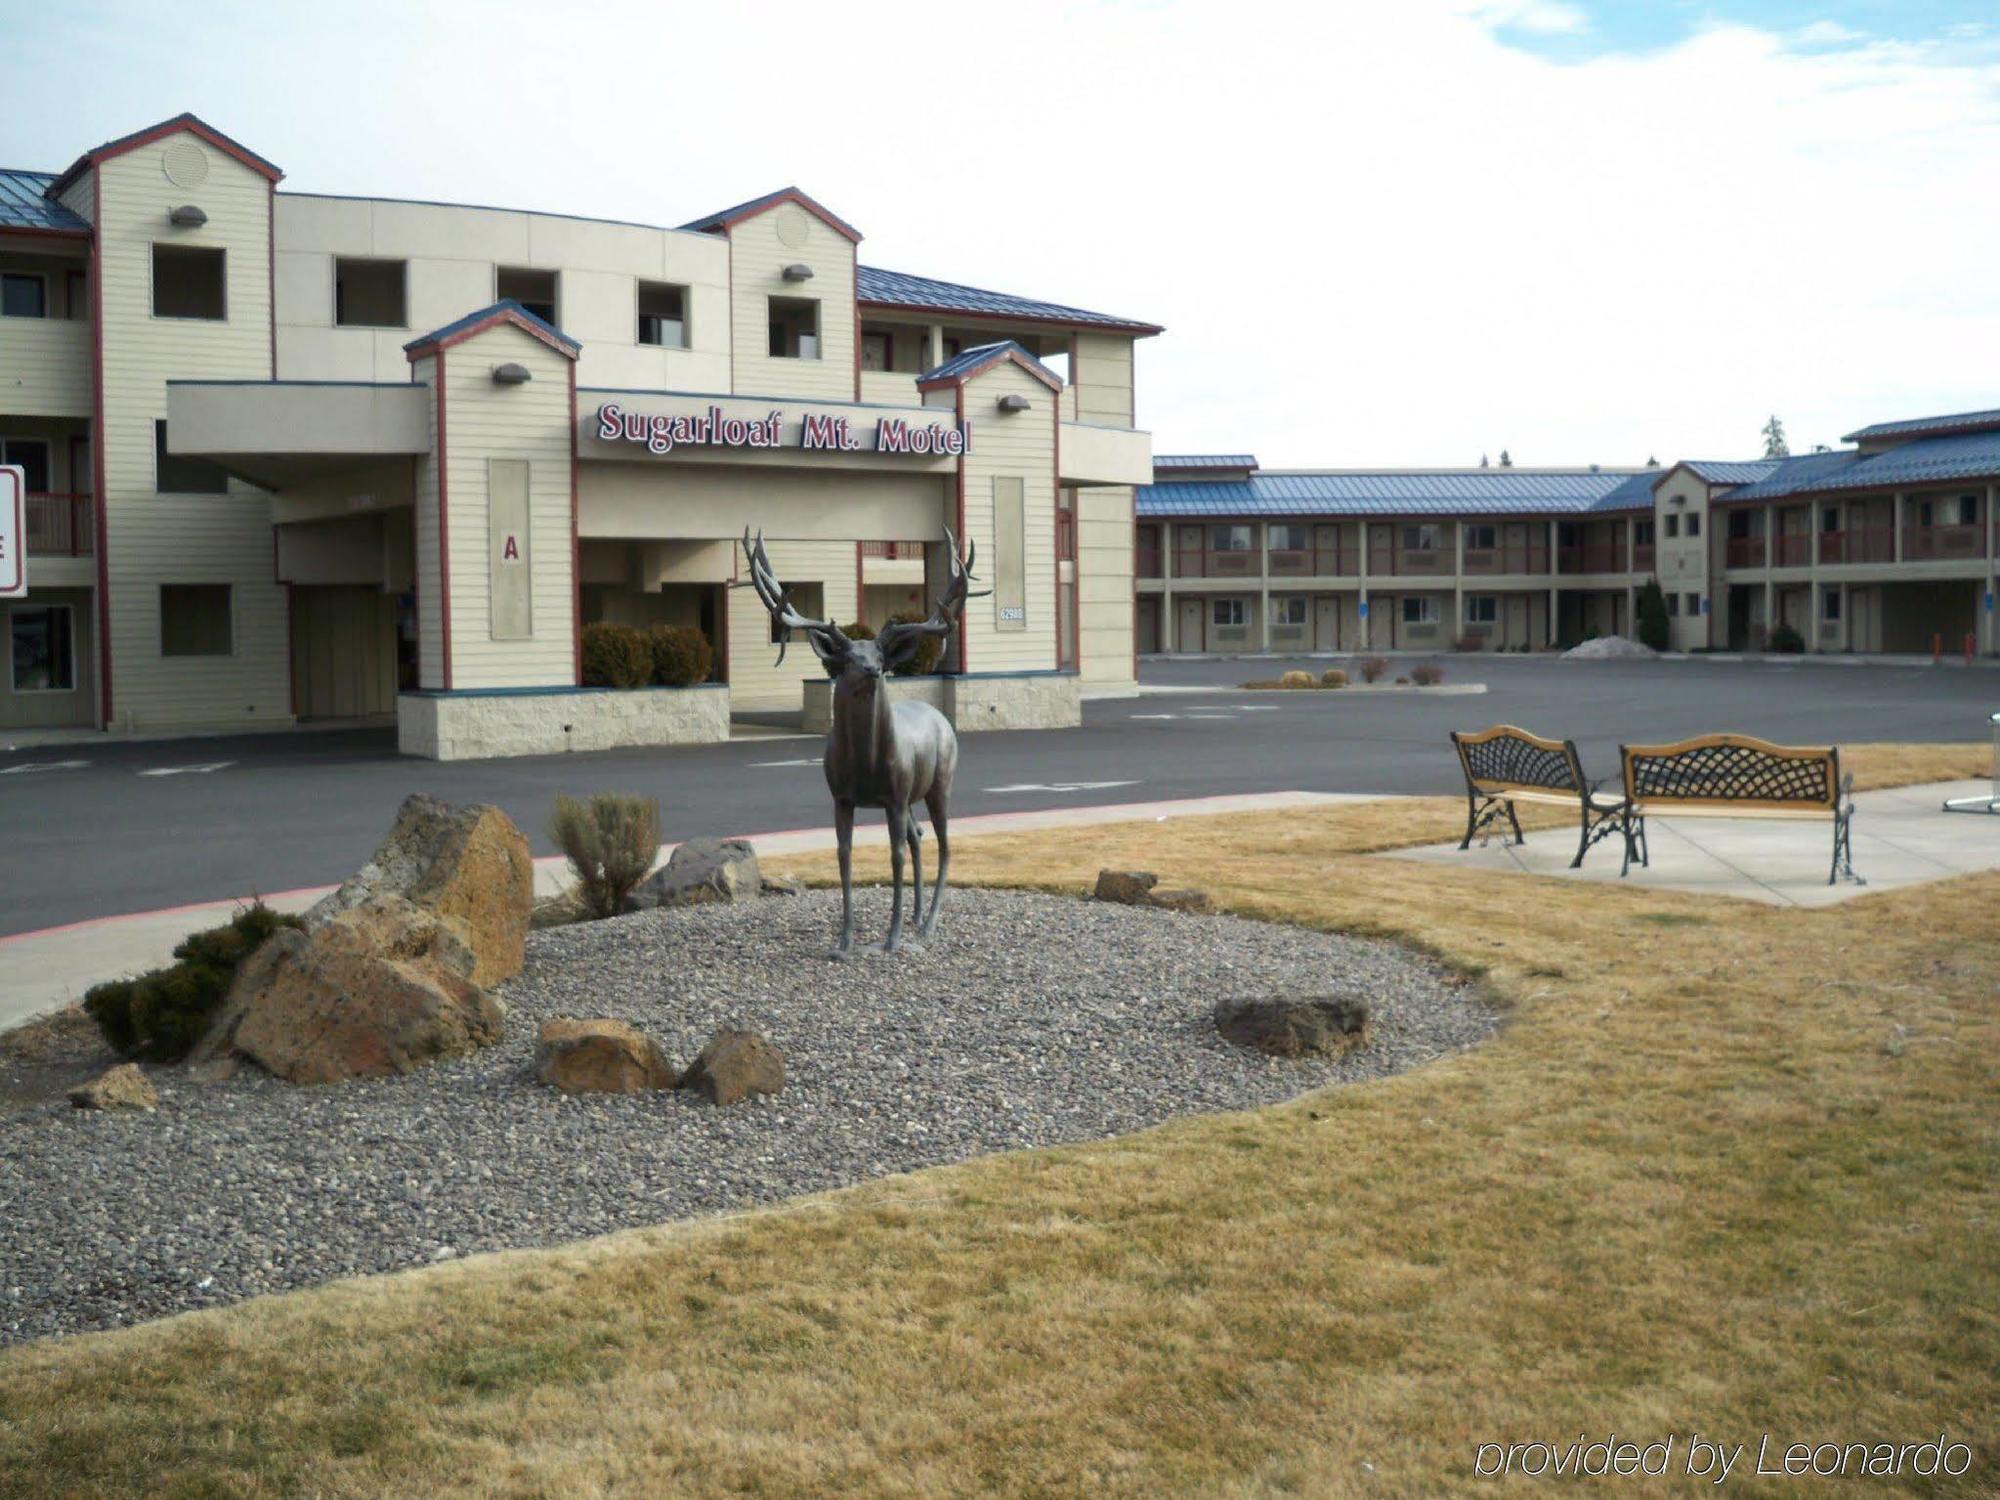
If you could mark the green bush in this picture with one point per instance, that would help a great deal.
(1787, 639)
(159, 1016)
(1654, 631)
(616, 656)
(929, 648)
(1333, 677)
(610, 841)
(860, 630)
(682, 655)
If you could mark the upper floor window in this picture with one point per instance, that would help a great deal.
(1673, 523)
(794, 328)
(369, 294)
(76, 295)
(1642, 533)
(1065, 525)
(663, 315)
(1694, 523)
(195, 620)
(1481, 538)
(32, 454)
(1829, 518)
(1291, 539)
(1968, 510)
(1421, 538)
(24, 294)
(534, 290)
(177, 475)
(1229, 538)
(878, 349)
(188, 282)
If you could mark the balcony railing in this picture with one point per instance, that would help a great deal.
(1148, 562)
(1487, 561)
(1943, 541)
(1860, 544)
(1202, 562)
(1420, 562)
(1794, 549)
(1591, 557)
(1745, 552)
(893, 550)
(1307, 562)
(59, 525)
(1642, 557)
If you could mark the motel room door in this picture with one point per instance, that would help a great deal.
(343, 651)
(1146, 625)
(1516, 630)
(1326, 622)
(1192, 634)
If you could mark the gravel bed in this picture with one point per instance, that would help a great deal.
(1026, 1021)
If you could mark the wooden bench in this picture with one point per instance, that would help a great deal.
(1735, 776)
(1504, 765)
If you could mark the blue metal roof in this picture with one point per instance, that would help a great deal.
(24, 204)
(1636, 493)
(505, 305)
(923, 293)
(1734, 471)
(1954, 422)
(1204, 461)
(1394, 493)
(962, 365)
(1930, 460)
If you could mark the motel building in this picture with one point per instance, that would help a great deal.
(300, 457)
(1890, 545)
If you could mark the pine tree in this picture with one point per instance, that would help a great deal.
(1483, 462)
(1654, 631)
(1505, 461)
(1775, 445)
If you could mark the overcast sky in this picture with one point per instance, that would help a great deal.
(1397, 233)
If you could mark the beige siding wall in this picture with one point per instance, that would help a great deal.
(451, 255)
(424, 513)
(760, 249)
(1101, 373)
(1019, 444)
(1104, 586)
(755, 678)
(483, 422)
(45, 366)
(156, 538)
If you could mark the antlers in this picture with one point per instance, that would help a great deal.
(945, 613)
(775, 598)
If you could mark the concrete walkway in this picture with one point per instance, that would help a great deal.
(46, 970)
(1901, 837)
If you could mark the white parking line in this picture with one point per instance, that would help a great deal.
(30, 767)
(202, 769)
(766, 764)
(1060, 786)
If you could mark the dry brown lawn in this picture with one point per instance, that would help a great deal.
(1728, 1168)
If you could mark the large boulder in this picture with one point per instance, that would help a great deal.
(1311, 1026)
(1126, 887)
(600, 1057)
(467, 865)
(122, 1087)
(698, 871)
(378, 989)
(733, 1066)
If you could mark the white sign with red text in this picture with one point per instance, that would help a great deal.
(816, 433)
(13, 531)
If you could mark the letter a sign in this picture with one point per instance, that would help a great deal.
(13, 531)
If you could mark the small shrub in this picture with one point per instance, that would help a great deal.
(929, 650)
(860, 630)
(1785, 638)
(616, 656)
(1372, 668)
(1333, 677)
(682, 655)
(1427, 674)
(1296, 679)
(1469, 642)
(1402, 682)
(159, 1016)
(610, 841)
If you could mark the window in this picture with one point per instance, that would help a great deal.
(534, 290)
(1829, 518)
(1694, 604)
(32, 454)
(369, 294)
(1419, 609)
(1481, 538)
(1673, 524)
(173, 475)
(1694, 524)
(188, 283)
(1229, 612)
(42, 648)
(1830, 604)
(1482, 609)
(24, 294)
(1065, 525)
(1968, 510)
(878, 350)
(1674, 604)
(1289, 609)
(794, 328)
(663, 315)
(194, 619)
(76, 295)
(809, 599)
(1291, 539)
(1229, 538)
(1642, 533)
(1421, 538)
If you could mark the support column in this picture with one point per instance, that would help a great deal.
(1457, 581)
(1896, 522)
(1770, 608)
(1555, 589)
(1260, 536)
(1816, 608)
(1361, 593)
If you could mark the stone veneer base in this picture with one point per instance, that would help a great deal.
(974, 702)
(478, 725)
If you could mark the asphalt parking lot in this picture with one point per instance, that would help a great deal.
(119, 826)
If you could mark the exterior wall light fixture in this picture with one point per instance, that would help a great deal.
(1015, 402)
(187, 216)
(798, 270)
(511, 374)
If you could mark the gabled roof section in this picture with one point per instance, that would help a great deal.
(730, 217)
(1925, 460)
(1204, 462)
(25, 203)
(874, 287)
(507, 311)
(1963, 421)
(1731, 471)
(962, 367)
(193, 124)
(1636, 493)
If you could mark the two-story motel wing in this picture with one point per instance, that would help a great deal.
(298, 456)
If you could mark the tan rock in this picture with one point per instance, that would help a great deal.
(600, 1057)
(1127, 887)
(122, 1087)
(733, 1066)
(1182, 899)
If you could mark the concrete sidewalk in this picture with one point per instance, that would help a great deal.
(1901, 837)
(46, 970)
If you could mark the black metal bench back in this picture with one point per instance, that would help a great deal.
(1507, 757)
(1728, 769)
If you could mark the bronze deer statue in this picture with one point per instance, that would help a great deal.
(878, 753)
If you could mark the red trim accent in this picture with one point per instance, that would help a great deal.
(987, 315)
(444, 538)
(1033, 367)
(20, 560)
(1055, 520)
(964, 656)
(190, 123)
(271, 271)
(855, 265)
(764, 205)
(575, 548)
(103, 537)
(418, 348)
(45, 233)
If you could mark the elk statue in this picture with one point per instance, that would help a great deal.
(878, 753)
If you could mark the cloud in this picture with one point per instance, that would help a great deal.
(1828, 34)
(1542, 17)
